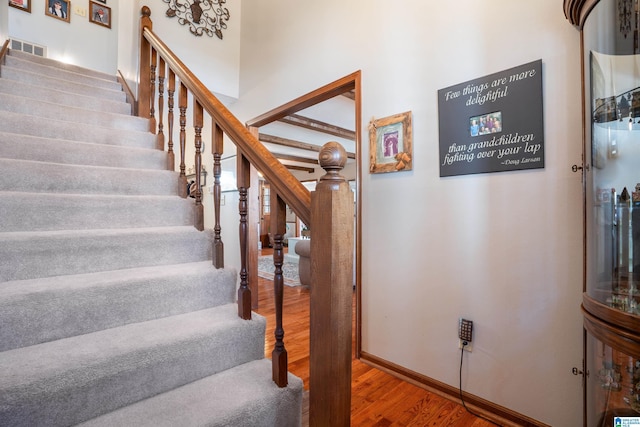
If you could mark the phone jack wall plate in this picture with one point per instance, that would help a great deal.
(468, 347)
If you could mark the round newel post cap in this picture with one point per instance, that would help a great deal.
(145, 11)
(332, 158)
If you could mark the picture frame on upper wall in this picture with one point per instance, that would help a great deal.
(99, 14)
(58, 9)
(390, 144)
(24, 5)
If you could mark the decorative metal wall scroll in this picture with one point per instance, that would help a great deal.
(202, 16)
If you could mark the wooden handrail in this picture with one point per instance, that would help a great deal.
(4, 51)
(329, 212)
(296, 195)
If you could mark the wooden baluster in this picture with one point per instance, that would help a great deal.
(217, 149)
(162, 69)
(152, 83)
(244, 293)
(197, 124)
(182, 104)
(171, 158)
(331, 293)
(144, 97)
(278, 228)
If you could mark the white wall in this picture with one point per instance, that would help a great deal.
(77, 42)
(128, 43)
(216, 62)
(501, 249)
(4, 22)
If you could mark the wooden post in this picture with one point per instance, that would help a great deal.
(161, 75)
(278, 227)
(171, 89)
(144, 86)
(244, 181)
(331, 293)
(182, 104)
(198, 120)
(152, 97)
(217, 149)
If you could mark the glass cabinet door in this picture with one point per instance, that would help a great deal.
(613, 383)
(611, 58)
(612, 62)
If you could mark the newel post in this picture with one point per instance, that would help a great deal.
(332, 240)
(144, 84)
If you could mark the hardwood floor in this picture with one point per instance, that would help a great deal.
(377, 398)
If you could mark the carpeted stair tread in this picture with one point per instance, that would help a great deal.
(61, 65)
(64, 306)
(85, 102)
(72, 115)
(36, 148)
(33, 125)
(23, 211)
(74, 379)
(241, 396)
(62, 74)
(41, 177)
(108, 295)
(29, 255)
(17, 74)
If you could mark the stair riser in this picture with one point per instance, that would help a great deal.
(32, 125)
(37, 177)
(70, 76)
(25, 147)
(39, 93)
(98, 383)
(46, 212)
(67, 306)
(48, 111)
(269, 406)
(17, 74)
(61, 65)
(61, 253)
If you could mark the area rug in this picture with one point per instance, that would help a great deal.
(289, 270)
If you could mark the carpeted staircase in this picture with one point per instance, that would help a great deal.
(111, 313)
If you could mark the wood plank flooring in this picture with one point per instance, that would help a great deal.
(377, 398)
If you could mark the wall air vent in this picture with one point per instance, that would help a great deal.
(28, 47)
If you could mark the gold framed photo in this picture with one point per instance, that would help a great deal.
(390, 144)
(24, 5)
(59, 9)
(100, 14)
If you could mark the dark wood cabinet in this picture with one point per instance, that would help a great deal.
(610, 48)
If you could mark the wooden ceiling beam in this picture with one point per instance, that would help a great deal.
(300, 168)
(318, 126)
(298, 159)
(345, 84)
(271, 139)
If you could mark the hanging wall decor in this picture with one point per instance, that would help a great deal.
(202, 16)
(99, 14)
(58, 9)
(24, 5)
(390, 144)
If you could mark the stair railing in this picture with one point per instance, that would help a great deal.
(328, 211)
(3, 51)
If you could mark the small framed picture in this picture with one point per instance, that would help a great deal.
(21, 4)
(99, 14)
(390, 145)
(58, 9)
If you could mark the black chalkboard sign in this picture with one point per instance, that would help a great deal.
(493, 123)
